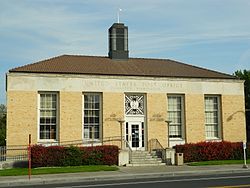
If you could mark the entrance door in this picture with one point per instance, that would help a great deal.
(135, 135)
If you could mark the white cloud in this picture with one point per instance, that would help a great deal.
(58, 22)
(33, 30)
(244, 61)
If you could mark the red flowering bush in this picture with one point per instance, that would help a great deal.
(206, 151)
(100, 155)
(73, 156)
(38, 155)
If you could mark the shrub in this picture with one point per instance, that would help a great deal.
(38, 155)
(205, 151)
(92, 155)
(54, 156)
(73, 156)
(46, 156)
(100, 155)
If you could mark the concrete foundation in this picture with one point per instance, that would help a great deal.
(123, 157)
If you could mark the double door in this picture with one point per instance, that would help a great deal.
(135, 135)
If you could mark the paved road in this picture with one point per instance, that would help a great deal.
(221, 180)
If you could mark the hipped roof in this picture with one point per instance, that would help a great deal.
(95, 65)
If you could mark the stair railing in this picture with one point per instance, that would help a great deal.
(155, 145)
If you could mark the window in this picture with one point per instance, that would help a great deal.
(175, 115)
(212, 116)
(92, 115)
(48, 116)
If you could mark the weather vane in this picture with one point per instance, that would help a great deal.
(118, 15)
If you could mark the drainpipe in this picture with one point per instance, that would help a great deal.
(168, 124)
(121, 122)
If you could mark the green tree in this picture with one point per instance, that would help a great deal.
(2, 124)
(245, 75)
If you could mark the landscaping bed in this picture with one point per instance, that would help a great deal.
(56, 170)
(209, 151)
(219, 162)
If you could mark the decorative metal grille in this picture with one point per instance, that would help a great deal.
(134, 104)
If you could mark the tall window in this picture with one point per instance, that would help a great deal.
(92, 115)
(212, 112)
(175, 115)
(48, 115)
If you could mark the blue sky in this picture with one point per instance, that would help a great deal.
(214, 34)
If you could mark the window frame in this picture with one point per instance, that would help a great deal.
(182, 97)
(100, 115)
(219, 124)
(39, 115)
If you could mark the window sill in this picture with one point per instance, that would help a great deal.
(176, 139)
(91, 140)
(213, 139)
(48, 142)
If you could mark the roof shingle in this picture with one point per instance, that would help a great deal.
(94, 65)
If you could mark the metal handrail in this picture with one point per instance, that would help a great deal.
(155, 145)
(13, 153)
(21, 150)
(81, 142)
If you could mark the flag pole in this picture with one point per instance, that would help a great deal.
(29, 156)
(118, 15)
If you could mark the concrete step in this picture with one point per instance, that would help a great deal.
(134, 162)
(147, 164)
(146, 161)
(141, 156)
(148, 155)
(140, 153)
(143, 162)
(144, 158)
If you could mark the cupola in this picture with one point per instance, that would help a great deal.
(118, 41)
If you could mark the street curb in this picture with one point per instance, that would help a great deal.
(120, 176)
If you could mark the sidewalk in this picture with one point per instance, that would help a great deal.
(122, 173)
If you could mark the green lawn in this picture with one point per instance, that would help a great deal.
(56, 170)
(222, 162)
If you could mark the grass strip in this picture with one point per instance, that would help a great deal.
(219, 162)
(56, 170)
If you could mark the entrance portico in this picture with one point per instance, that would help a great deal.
(135, 121)
(135, 135)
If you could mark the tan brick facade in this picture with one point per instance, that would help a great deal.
(157, 114)
(21, 117)
(22, 114)
(113, 110)
(195, 118)
(233, 118)
(70, 124)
